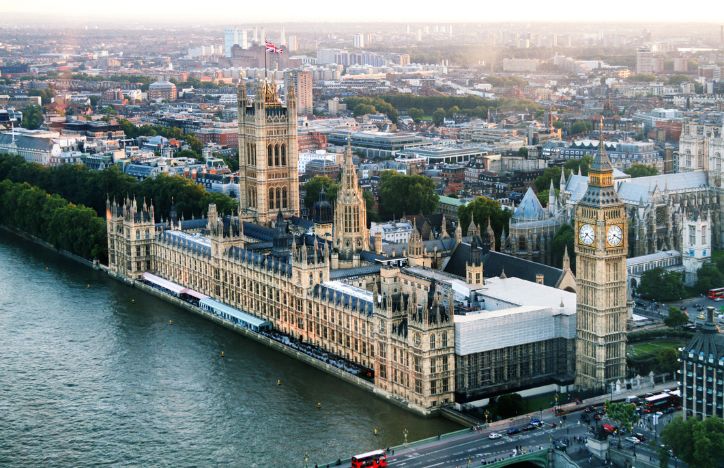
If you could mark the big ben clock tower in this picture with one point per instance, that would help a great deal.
(601, 246)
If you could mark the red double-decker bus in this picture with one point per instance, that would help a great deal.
(373, 459)
(716, 294)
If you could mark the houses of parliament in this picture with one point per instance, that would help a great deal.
(450, 320)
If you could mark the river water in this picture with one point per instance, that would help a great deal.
(95, 372)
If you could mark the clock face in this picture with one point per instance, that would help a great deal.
(586, 235)
(614, 235)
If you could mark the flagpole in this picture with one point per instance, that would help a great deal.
(265, 77)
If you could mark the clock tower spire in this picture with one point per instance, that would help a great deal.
(601, 309)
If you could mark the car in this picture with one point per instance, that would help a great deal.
(640, 436)
(560, 444)
(536, 422)
(597, 417)
(512, 431)
(633, 440)
(494, 435)
(609, 428)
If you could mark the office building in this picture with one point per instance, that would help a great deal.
(701, 376)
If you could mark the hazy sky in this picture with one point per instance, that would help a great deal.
(246, 11)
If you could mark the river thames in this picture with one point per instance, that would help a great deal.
(95, 372)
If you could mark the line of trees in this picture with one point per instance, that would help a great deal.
(83, 186)
(70, 227)
(135, 131)
(699, 443)
(481, 209)
(406, 195)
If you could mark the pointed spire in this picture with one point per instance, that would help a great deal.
(562, 182)
(443, 228)
(579, 169)
(566, 259)
(502, 273)
(601, 163)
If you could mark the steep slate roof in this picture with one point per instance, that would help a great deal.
(495, 263)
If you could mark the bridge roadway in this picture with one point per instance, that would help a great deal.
(474, 447)
(457, 449)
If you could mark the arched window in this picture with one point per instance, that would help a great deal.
(271, 198)
(279, 198)
(276, 155)
(269, 160)
(521, 243)
(284, 154)
(284, 197)
(432, 341)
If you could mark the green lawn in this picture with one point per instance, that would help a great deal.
(641, 350)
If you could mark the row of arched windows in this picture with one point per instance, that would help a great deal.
(251, 197)
(276, 155)
(251, 154)
(278, 198)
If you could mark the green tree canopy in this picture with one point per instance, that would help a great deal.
(80, 185)
(76, 229)
(438, 117)
(699, 443)
(709, 276)
(481, 209)
(406, 195)
(641, 170)
(667, 361)
(509, 405)
(623, 413)
(416, 113)
(32, 117)
(580, 126)
(676, 318)
(313, 187)
(563, 239)
(662, 286)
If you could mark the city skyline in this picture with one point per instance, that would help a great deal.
(224, 11)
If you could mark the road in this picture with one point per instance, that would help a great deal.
(476, 448)
(660, 311)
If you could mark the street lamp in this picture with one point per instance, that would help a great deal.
(404, 433)
(306, 460)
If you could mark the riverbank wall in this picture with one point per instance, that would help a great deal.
(265, 340)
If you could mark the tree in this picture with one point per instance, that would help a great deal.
(452, 111)
(523, 151)
(676, 318)
(662, 286)
(641, 170)
(563, 239)
(481, 209)
(664, 457)
(699, 443)
(372, 213)
(509, 405)
(667, 361)
(543, 181)
(623, 413)
(406, 194)
(438, 117)
(364, 109)
(581, 126)
(415, 113)
(32, 117)
(583, 164)
(313, 188)
(708, 277)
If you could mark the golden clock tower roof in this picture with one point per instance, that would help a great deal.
(601, 191)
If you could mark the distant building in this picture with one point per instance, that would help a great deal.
(302, 81)
(232, 37)
(700, 376)
(648, 62)
(520, 65)
(358, 41)
(395, 232)
(162, 90)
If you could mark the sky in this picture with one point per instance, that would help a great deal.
(403, 11)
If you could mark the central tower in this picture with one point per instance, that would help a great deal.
(268, 157)
(601, 310)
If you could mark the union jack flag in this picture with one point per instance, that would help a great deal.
(270, 47)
